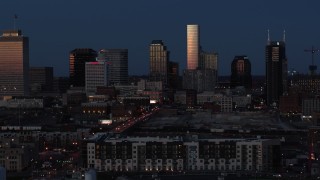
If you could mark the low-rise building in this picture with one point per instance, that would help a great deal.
(205, 97)
(150, 85)
(180, 97)
(178, 154)
(23, 102)
(74, 96)
(226, 104)
(14, 157)
(309, 106)
(241, 102)
(126, 90)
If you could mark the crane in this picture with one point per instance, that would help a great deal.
(312, 67)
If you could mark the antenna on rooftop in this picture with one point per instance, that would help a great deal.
(284, 35)
(15, 17)
(268, 37)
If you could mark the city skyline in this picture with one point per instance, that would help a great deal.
(228, 30)
(172, 89)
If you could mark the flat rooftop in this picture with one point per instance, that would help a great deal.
(206, 120)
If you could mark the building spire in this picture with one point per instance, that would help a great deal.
(268, 42)
(284, 35)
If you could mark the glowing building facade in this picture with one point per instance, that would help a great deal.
(193, 41)
(14, 64)
(201, 73)
(159, 59)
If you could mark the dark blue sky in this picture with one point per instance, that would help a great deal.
(229, 27)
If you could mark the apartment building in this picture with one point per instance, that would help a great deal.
(179, 154)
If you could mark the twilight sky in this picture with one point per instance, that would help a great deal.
(228, 27)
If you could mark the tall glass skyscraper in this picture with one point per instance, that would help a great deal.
(96, 75)
(14, 64)
(77, 64)
(201, 72)
(193, 44)
(118, 66)
(276, 71)
(241, 72)
(159, 59)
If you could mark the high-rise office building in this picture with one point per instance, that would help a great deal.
(77, 62)
(159, 59)
(276, 71)
(201, 73)
(42, 78)
(304, 83)
(174, 81)
(14, 64)
(208, 63)
(96, 73)
(193, 46)
(241, 72)
(61, 84)
(199, 80)
(208, 60)
(118, 66)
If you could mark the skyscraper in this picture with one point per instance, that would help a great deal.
(173, 75)
(159, 59)
(41, 77)
(208, 60)
(14, 63)
(276, 71)
(199, 80)
(118, 66)
(77, 62)
(241, 72)
(208, 63)
(96, 73)
(193, 44)
(201, 72)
